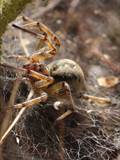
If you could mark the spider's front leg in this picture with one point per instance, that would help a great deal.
(43, 97)
(37, 87)
(46, 35)
(45, 30)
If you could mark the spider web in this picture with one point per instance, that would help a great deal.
(72, 139)
(86, 135)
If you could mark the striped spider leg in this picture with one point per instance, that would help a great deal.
(28, 75)
(62, 91)
(46, 35)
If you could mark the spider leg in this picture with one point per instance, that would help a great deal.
(32, 102)
(20, 57)
(42, 55)
(62, 91)
(27, 73)
(64, 115)
(25, 57)
(44, 29)
(47, 37)
(40, 76)
(37, 56)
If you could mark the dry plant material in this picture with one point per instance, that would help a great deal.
(101, 101)
(4, 136)
(108, 81)
(104, 58)
(43, 10)
(8, 114)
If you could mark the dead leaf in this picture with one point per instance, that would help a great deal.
(108, 81)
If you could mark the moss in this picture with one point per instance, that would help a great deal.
(9, 9)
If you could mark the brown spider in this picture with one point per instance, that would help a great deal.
(58, 79)
(42, 78)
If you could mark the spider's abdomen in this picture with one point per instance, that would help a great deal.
(69, 71)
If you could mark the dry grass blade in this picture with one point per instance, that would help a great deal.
(15, 120)
(104, 58)
(23, 44)
(43, 10)
(98, 100)
(8, 114)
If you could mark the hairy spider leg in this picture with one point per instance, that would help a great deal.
(45, 81)
(42, 98)
(62, 92)
(26, 73)
(64, 115)
(44, 29)
(43, 53)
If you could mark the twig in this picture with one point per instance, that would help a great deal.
(11, 103)
(8, 114)
(23, 44)
(15, 120)
(95, 50)
(43, 10)
(99, 100)
(73, 5)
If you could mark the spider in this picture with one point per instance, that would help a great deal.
(48, 80)
(57, 80)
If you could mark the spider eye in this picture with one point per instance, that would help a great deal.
(54, 68)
